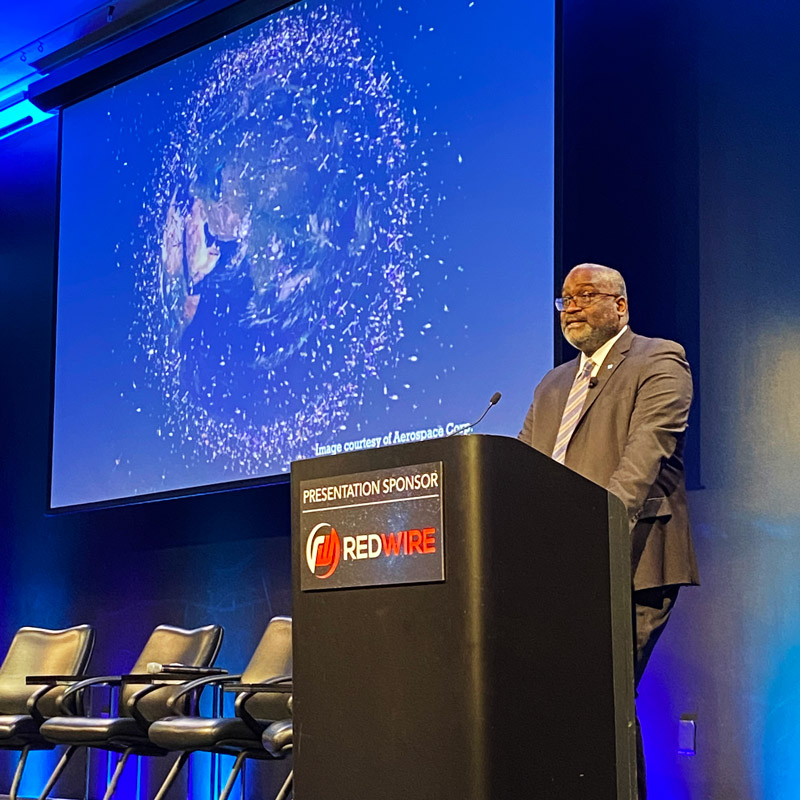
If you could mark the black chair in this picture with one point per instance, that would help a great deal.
(143, 698)
(256, 706)
(24, 707)
(278, 740)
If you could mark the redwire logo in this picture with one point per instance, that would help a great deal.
(323, 550)
(324, 547)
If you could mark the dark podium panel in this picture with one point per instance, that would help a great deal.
(510, 678)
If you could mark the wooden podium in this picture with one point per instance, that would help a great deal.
(462, 627)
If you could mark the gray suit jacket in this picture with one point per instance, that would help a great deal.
(629, 439)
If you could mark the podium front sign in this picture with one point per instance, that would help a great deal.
(372, 528)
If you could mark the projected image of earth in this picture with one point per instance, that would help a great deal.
(277, 242)
(329, 230)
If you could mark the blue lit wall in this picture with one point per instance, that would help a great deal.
(682, 168)
(749, 183)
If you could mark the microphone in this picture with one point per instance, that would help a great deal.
(494, 401)
(154, 668)
(592, 381)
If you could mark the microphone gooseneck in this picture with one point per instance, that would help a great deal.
(493, 402)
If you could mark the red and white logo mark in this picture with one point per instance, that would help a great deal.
(323, 550)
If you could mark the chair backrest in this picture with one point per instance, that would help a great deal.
(271, 659)
(40, 651)
(197, 647)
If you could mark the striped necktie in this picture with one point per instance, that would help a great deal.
(572, 411)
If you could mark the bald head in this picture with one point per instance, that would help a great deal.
(610, 278)
(600, 310)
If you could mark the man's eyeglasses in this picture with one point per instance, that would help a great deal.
(581, 300)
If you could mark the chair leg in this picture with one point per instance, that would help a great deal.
(23, 757)
(283, 794)
(237, 766)
(112, 786)
(173, 773)
(56, 774)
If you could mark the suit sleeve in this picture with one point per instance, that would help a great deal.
(657, 424)
(526, 434)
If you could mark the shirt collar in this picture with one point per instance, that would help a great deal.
(600, 355)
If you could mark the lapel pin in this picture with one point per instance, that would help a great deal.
(611, 366)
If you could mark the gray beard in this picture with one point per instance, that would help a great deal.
(589, 343)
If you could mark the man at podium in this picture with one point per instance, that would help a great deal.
(617, 415)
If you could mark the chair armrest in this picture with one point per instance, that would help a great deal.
(196, 684)
(278, 738)
(132, 703)
(76, 688)
(33, 702)
(53, 680)
(263, 686)
(254, 689)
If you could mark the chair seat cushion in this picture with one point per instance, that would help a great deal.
(93, 731)
(18, 730)
(198, 733)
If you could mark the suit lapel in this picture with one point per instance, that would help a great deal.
(615, 357)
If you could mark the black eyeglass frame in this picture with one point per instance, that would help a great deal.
(583, 300)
